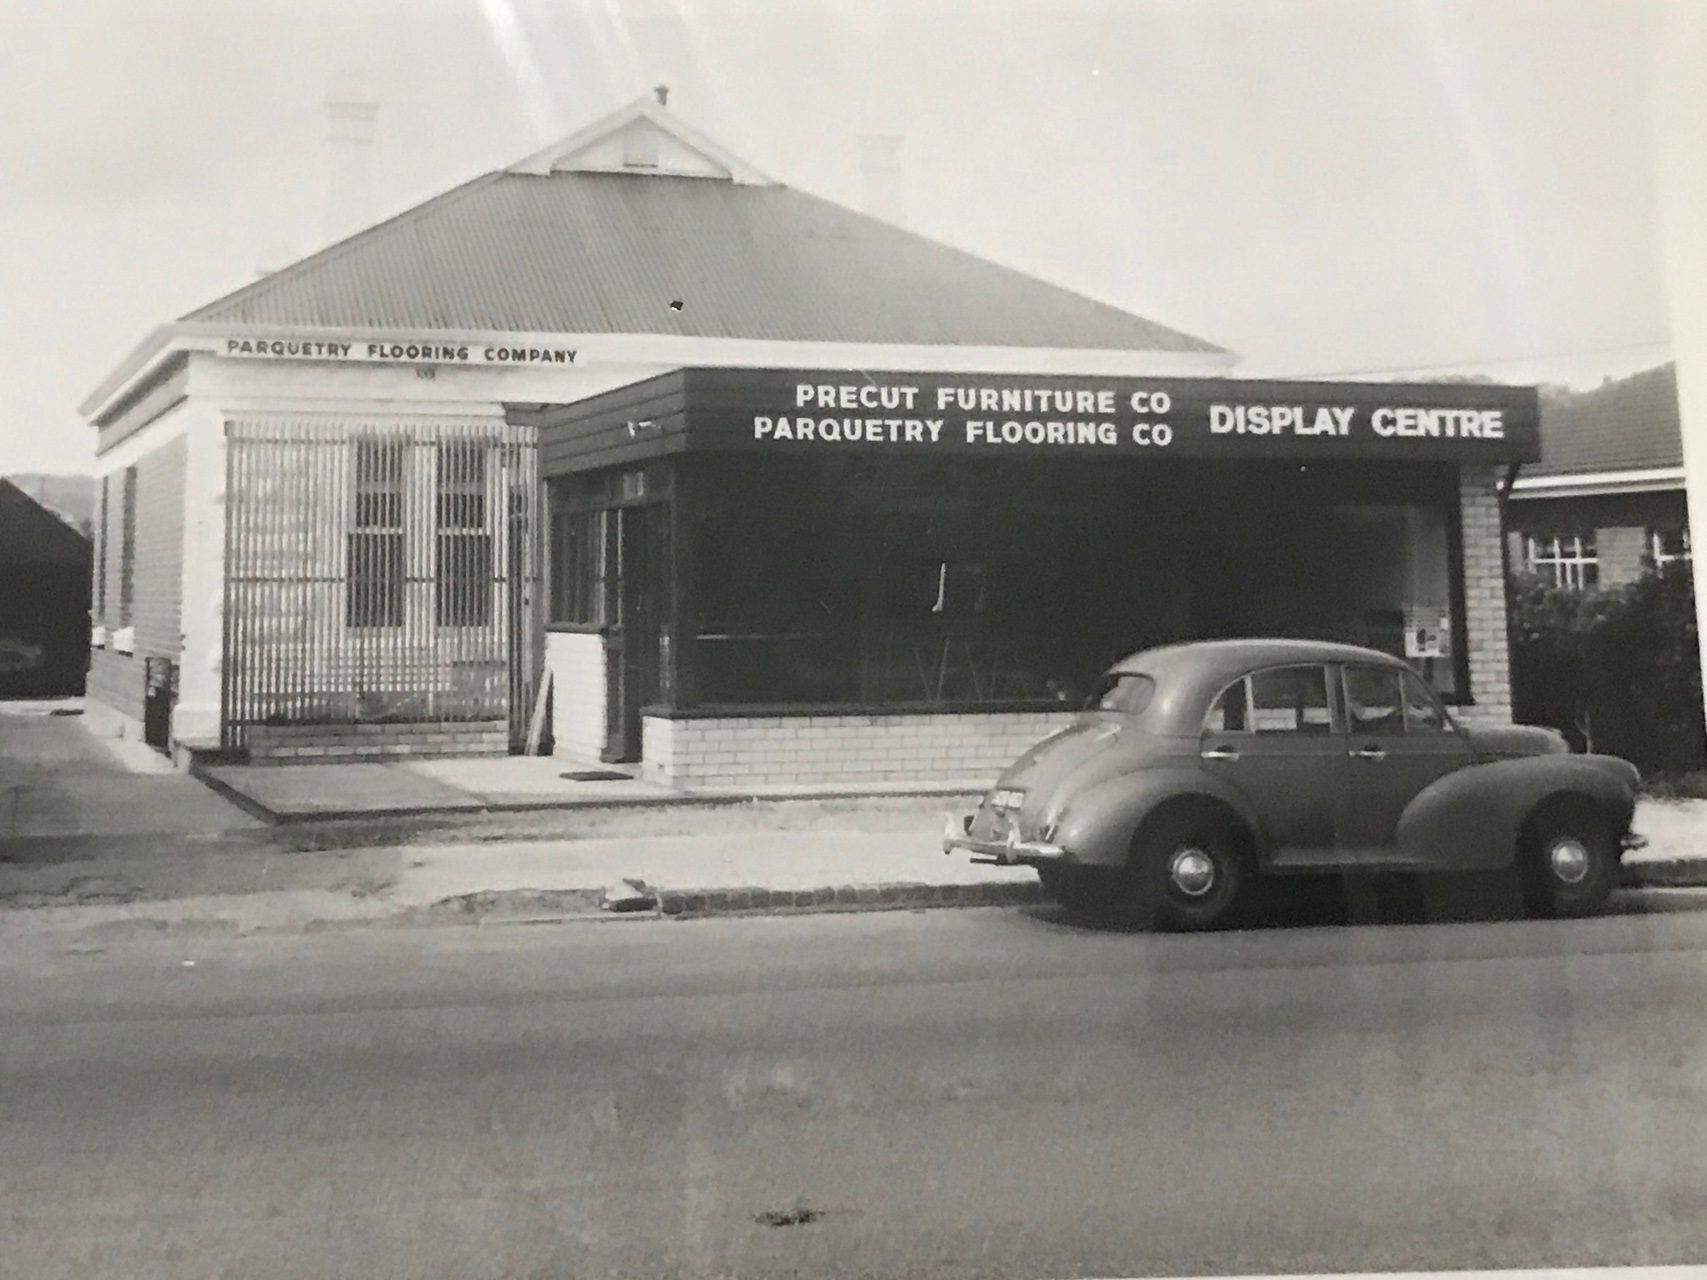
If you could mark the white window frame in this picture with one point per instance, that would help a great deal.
(1660, 556)
(1565, 558)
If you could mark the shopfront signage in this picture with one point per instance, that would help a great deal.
(390, 352)
(798, 412)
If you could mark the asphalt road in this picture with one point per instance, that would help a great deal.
(973, 1093)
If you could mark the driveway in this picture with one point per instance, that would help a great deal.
(58, 779)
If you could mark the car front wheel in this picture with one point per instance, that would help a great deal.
(1568, 862)
(1186, 871)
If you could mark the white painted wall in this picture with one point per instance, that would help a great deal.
(195, 718)
(577, 665)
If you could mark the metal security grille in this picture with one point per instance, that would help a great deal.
(379, 573)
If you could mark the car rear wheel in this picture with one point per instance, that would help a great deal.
(1568, 862)
(1186, 871)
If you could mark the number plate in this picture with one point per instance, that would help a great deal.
(1007, 798)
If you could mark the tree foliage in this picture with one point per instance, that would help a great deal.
(1616, 670)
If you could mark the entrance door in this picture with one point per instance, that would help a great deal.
(160, 692)
(1398, 741)
(637, 574)
(1271, 735)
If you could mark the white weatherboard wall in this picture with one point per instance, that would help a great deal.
(839, 750)
(577, 665)
(113, 703)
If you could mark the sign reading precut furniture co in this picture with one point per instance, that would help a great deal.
(794, 411)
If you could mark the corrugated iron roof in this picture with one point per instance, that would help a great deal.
(611, 252)
(1631, 424)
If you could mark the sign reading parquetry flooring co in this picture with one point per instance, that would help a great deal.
(792, 411)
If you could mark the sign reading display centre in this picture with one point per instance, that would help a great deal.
(1150, 417)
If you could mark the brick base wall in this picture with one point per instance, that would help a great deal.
(835, 750)
(346, 743)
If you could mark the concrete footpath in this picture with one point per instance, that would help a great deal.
(196, 860)
(828, 860)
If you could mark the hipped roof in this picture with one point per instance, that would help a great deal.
(568, 242)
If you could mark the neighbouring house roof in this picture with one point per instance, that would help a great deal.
(71, 497)
(639, 225)
(32, 534)
(1627, 427)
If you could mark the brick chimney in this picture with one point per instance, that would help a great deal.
(350, 115)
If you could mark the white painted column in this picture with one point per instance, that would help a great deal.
(196, 717)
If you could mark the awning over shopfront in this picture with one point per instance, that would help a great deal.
(809, 413)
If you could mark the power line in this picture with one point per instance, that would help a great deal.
(1482, 364)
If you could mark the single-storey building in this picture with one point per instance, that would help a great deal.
(1606, 501)
(746, 487)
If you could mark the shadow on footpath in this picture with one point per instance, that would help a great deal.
(1333, 901)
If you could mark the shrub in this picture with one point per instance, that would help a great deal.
(1616, 670)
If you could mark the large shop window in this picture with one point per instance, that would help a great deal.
(374, 547)
(962, 582)
(1395, 591)
(462, 574)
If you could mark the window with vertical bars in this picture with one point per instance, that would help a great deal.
(127, 549)
(374, 547)
(462, 575)
(1568, 560)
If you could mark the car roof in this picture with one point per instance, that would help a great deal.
(1189, 674)
(1231, 655)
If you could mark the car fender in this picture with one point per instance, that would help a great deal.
(1469, 819)
(1098, 824)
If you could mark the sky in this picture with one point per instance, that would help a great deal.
(1327, 187)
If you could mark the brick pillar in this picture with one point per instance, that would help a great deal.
(1485, 596)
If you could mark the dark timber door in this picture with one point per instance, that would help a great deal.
(638, 606)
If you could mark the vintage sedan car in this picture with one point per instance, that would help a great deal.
(1196, 767)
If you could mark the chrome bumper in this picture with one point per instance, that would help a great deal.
(1002, 853)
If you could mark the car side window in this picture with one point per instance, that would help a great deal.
(1280, 700)
(1228, 713)
(1422, 712)
(1290, 700)
(1374, 700)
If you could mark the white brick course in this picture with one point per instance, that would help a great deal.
(828, 750)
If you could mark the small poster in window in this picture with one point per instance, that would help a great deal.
(1423, 642)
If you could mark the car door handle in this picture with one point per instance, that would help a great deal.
(1220, 753)
(1369, 753)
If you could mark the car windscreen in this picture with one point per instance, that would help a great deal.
(1125, 692)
